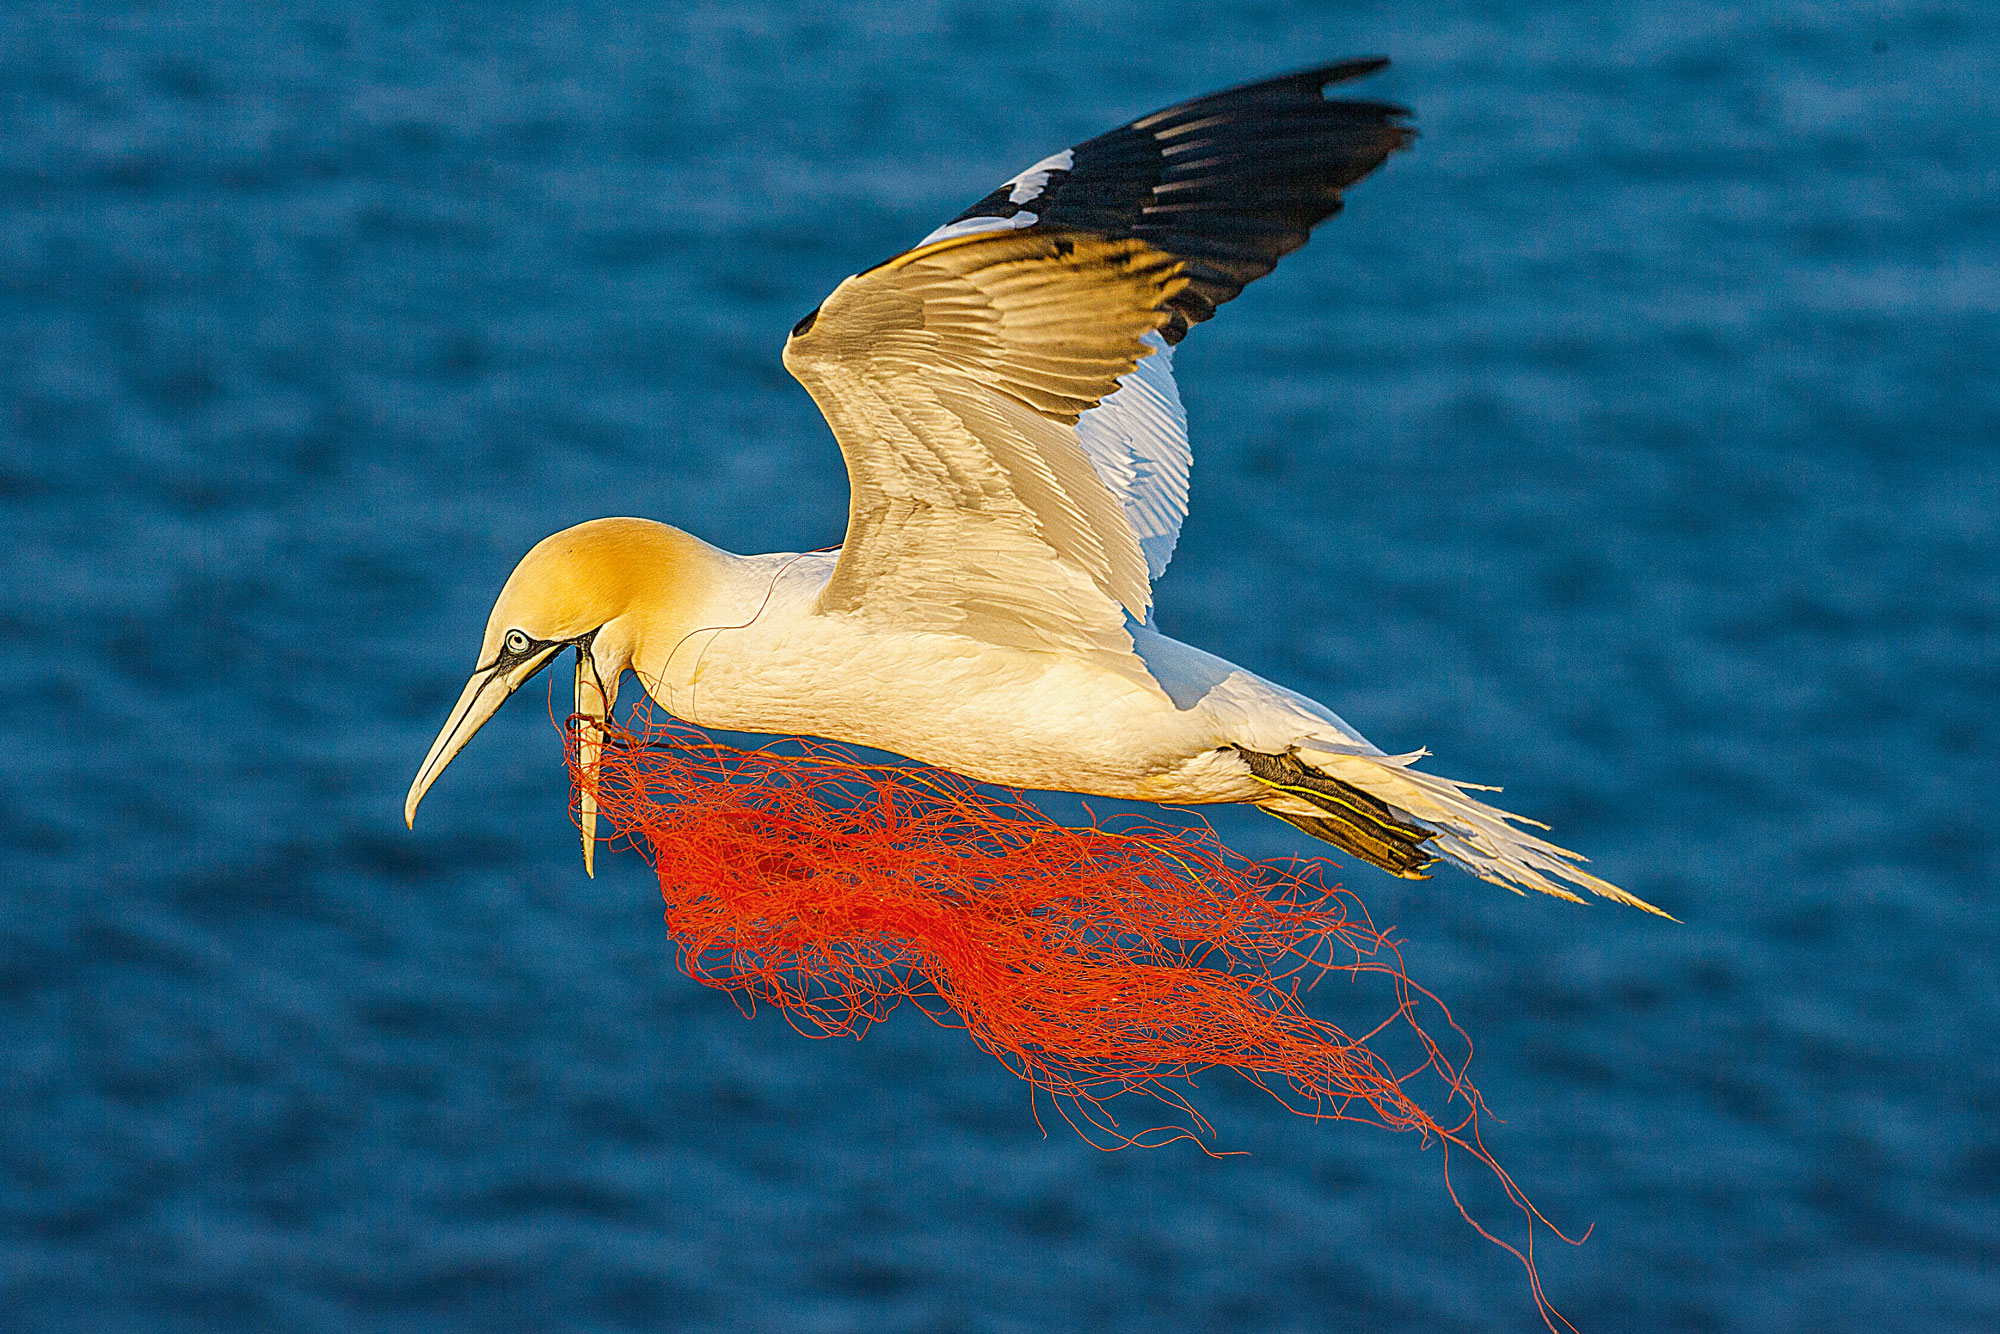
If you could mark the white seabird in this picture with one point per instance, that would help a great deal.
(1003, 395)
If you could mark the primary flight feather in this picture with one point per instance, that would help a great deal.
(1017, 458)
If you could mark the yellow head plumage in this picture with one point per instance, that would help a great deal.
(599, 588)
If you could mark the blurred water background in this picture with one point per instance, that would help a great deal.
(1629, 442)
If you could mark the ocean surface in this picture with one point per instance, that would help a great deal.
(1631, 442)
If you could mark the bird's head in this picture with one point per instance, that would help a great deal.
(596, 588)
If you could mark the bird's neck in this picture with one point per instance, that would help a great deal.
(725, 607)
(657, 585)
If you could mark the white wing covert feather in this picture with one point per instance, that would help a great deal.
(954, 378)
(993, 501)
(1137, 440)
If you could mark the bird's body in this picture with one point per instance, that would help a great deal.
(1017, 455)
(766, 659)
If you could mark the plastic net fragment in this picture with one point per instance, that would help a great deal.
(1121, 957)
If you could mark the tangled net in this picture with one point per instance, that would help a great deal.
(1124, 956)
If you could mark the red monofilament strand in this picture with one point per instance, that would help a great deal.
(1119, 957)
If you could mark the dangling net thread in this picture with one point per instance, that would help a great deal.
(1121, 957)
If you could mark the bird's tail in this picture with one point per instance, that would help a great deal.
(1398, 818)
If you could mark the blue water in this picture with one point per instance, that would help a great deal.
(1629, 442)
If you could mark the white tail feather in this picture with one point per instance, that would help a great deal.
(1472, 835)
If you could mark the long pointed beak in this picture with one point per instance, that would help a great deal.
(483, 695)
(594, 701)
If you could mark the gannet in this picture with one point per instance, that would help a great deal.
(1017, 455)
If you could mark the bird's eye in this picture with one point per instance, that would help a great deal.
(517, 642)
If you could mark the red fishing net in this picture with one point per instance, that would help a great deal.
(1124, 956)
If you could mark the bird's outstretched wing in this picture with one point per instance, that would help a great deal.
(1003, 393)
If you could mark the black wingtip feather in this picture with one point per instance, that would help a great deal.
(1230, 182)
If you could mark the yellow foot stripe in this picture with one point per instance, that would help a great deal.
(1353, 821)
